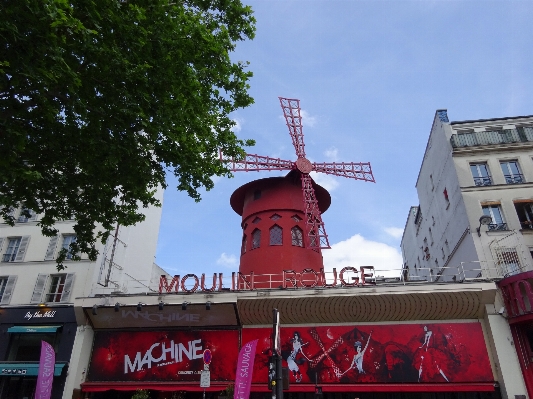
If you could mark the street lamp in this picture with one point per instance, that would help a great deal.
(483, 221)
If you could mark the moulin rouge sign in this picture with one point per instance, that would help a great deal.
(307, 278)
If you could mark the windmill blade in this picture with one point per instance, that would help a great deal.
(358, 171)
(253, 162)
(315, 231)
(291, 111)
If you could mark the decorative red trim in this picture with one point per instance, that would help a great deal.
(451, 387)
(173, 386)
(158, 386)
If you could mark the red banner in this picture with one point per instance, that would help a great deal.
(45, 376)
(400, 353)
(163, 356)
(245, 368)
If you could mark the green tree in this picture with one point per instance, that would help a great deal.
(100, 98)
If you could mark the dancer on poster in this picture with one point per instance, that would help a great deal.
(292, 362)
(432, 356)
(358, 357)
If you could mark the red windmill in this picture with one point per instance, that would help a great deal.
(314, 226)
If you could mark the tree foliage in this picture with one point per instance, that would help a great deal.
(99, 99)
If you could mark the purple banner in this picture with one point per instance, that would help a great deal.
(45, 377)
(245, 369)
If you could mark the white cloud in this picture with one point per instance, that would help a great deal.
(329, 182)
(307, 120)
(395, 232)
(227, 260)
(237, 128)
(331, 153)
(357, 251)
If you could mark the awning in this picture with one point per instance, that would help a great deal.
(30, 369)
(33, 329)
(154, 385)
(437, 387)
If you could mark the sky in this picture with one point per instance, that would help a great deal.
(370, 76)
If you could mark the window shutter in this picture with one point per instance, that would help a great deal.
(69, 281)
(22, 249)
(39, 288)
(51, 251)
(10, 286)
(1, 244)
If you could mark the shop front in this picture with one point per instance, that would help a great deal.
(346, 343)
(23, 329)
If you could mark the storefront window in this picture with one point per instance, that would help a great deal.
(27, 347)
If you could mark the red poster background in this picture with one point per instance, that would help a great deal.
(110, 348)
(401, 353)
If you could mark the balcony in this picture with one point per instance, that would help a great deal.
(514, 179)
(498, 227)
(483, 181)
(519, 135)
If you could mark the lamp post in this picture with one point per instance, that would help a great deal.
(483, 220)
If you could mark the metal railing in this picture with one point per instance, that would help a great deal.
(471, 139)
(483, 181)
(514, 179)
(498, 227)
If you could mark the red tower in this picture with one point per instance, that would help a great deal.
(273, 223)
(281, 216)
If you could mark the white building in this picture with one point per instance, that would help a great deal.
(28, 271)
(36, 300)
(472, 169)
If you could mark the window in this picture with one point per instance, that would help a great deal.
(494, 211)
(507, 258)
(256, 238)
(52, 288)
(67, 240)
(57, 286)
(7, 284)
(243, 246)
(431, 180)
(297, 237)
(16, 249)
(26, 215)
(276, 235)
(27, 347)
(275, 216)
(12, 249)
(296, 218)
(431, 236)
(511, 172)
(524, 210)
(481, 175)
(256, 220)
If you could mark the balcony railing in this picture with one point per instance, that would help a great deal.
(8, 257)
(483, 181)
(498, 227)
(522, 134)
(514, 179)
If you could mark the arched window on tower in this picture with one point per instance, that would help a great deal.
(243, 246)
(276, 235)
(297, 237)
(256, 238)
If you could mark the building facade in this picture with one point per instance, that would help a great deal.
(475, 217)
(36, 300)
(347, 332)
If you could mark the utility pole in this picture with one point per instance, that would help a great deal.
(275, 362)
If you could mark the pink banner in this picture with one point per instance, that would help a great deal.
(245, 369)
(45, 377)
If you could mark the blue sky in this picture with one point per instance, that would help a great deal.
(370, 75)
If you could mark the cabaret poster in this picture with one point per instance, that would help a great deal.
(164, 356)
(400, 353)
